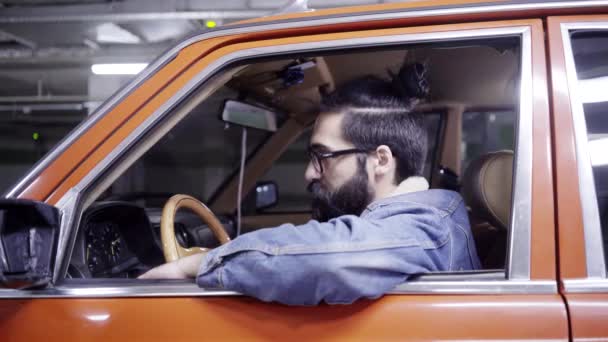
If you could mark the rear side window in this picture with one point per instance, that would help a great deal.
(591, 60)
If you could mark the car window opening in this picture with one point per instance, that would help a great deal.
(470, 118)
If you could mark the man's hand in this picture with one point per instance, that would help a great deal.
(183, 268)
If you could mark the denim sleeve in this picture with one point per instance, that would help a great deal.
(337, 261)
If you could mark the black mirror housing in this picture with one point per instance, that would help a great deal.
(266, 195)
(29, 233)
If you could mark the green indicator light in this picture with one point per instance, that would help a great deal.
(36, 136)
(210, 24)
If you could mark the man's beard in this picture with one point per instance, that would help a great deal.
(350, 199)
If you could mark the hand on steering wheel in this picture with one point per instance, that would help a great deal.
(171, 248)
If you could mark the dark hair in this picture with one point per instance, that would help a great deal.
(376, 112)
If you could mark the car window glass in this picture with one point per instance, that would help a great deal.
(591, 59)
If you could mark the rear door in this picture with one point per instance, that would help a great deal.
(518, 302)
(579, 69)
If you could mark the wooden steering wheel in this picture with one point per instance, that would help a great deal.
(171, 248)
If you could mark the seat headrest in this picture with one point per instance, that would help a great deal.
(487, 187)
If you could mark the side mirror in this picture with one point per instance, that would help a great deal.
(29, 232)
(244, 114)
(266, 195)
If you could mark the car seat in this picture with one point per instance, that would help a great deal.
(486, 188)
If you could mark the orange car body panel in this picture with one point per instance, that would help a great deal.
(588, 316)
(393, 317)
(572, 258)
(542, 254)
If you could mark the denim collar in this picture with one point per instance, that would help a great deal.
(410, 184)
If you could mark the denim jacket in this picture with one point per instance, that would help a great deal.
(348, 257)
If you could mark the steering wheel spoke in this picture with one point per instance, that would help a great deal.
(184, 252)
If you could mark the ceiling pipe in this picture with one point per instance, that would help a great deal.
(28, 108)
(138, 10)
(25, 42)
(46, 99)
(139, 52)
(129, 17)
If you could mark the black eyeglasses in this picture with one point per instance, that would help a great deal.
(317, 157)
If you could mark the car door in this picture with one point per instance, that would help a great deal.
(519, 302)
(579, 58)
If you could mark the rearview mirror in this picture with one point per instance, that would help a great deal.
(29, 232)
(244, 114)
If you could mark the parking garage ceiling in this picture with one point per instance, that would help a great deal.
(47, 47)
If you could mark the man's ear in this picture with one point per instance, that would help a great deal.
(385, 160)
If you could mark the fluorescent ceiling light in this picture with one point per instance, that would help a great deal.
(593, 89)
(112, 33)
(118, 68)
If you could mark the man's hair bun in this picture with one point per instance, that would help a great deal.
(410, 82)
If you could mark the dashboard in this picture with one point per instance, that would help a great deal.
(105, 247)
(115, 240)
(118, 239)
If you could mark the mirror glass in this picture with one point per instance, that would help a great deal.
(244, 114)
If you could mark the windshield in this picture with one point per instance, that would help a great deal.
(199, 154)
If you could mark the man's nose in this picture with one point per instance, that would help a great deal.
(311, 173)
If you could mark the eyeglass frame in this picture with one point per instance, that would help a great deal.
(320, 156)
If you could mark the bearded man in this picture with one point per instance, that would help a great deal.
(375, 221)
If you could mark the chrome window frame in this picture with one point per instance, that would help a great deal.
(171, 53)
(516, 279)
(489, 284)
(594, 250)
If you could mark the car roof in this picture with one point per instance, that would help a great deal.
(377, 8)
(418, 7)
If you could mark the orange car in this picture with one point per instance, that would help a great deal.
(517, 115)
